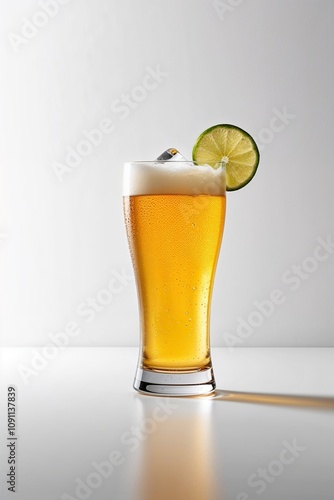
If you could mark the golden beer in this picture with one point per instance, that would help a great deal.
(175, 241)
(174, 218)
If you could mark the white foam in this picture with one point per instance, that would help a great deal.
(172, 178)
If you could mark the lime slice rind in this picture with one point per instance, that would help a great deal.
(237, 145)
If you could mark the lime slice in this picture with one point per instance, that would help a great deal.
(233, 146)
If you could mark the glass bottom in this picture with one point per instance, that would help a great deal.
(173, 383)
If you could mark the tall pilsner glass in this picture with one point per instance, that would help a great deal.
(174, 214)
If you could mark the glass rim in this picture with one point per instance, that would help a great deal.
(153, 162)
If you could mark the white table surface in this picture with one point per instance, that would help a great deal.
(251, 440)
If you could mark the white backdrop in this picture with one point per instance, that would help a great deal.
(149, 75)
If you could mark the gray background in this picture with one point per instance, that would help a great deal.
(245, 64)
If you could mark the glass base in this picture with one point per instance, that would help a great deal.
(173, 383)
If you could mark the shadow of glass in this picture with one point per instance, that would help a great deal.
(324, 403)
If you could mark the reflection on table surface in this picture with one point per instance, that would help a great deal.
(176, 460)
(83, 433)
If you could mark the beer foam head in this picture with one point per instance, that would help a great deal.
(172, 177)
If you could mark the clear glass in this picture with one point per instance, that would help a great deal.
(174, 214)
